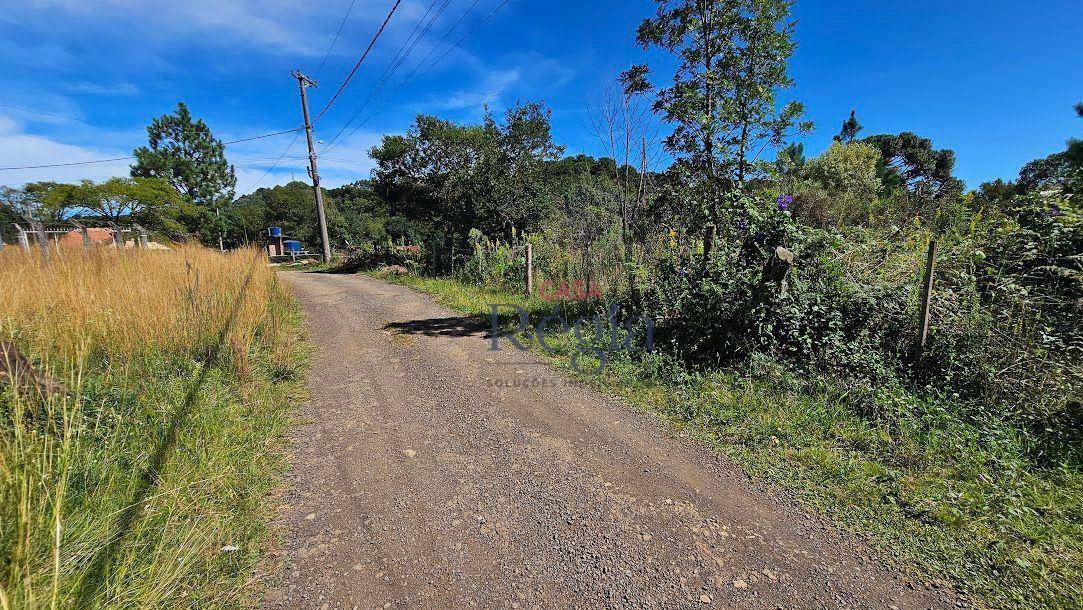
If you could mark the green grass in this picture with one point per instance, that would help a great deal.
(152, 484)
(957, 501)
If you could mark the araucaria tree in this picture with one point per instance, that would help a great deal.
(187, 155)
(723, 98)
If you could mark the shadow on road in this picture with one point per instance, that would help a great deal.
(469, 326)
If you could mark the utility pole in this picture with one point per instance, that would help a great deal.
(302, 82)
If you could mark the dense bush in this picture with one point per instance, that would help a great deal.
(1005, 339)
(493, 262)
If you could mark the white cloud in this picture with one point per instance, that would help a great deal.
(487, 93)
(19, 149)
(278, 26)
(99, 89)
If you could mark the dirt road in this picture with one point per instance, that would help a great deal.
(422, 482)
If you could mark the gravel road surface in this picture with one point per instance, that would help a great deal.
(420, 479)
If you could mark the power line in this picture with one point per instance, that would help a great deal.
(58, 116)
(400, 56)
(337, 34)
(68, 164)
(129, 157)
(372, 43)
(260, 137)
(333, 142)
(427, 70)
(275, 164)
(465, 36)
(395, 64)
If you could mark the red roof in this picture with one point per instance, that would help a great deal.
(97, 236)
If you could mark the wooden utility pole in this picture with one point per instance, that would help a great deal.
(708, 244)
(529, 270)
(926, 301)
(303, 82)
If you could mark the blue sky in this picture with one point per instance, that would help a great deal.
(994, 80)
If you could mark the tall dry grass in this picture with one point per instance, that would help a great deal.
(119, 304)
(134, 487)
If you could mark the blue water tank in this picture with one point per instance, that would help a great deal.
(292, 246)
(275, 231)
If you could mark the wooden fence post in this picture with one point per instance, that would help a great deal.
(926, 301)
(118, 236)
(776, 269)
(143, 240)
(82, 229)
(24, 240)
(43, 241)
(529, 270)
(708, 243)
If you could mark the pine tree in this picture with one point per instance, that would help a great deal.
(186, 154)
(850, 129)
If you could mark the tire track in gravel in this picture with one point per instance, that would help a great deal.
(417, 483)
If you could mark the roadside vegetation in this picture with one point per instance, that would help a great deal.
(786, 287)
(138, 472)
(960, 498)
(787, 292)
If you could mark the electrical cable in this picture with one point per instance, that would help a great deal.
(393, 67)
(74, 163)
(57, 116)
(427, 70)
(357, 66)
(275, 164)
(335, 39)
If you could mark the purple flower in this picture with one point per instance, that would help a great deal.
(784, 202)
(1056, 211)
(742, 224)
(683, 271)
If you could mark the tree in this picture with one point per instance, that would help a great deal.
(911, 163)
(848, 177)
(150, 201)
(621, 123)
(733, 58)
(850, 129)
(848, 170)
(1052, 172)
(995, 194)
(40, 201)
(790, 160)
(459, 177)
(291, 206)
(187, 155)
(1075, 159)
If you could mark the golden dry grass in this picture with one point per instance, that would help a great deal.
(130, 302)
(181, 366)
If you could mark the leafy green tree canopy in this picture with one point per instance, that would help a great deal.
(723, 99)
(911, 163)
(484, 176)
